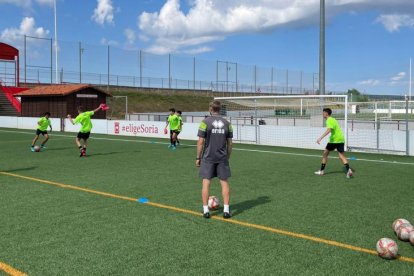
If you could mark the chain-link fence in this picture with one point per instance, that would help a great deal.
(111, 65)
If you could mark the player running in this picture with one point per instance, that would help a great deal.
(336, 141)
(174, 121)
(84, 118)
(43, 124)
(180, 125)
(214, 148)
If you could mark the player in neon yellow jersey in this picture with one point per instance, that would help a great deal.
(180, 126)
(43, 124)
(84, 118)
(174, 122)
(336, 141)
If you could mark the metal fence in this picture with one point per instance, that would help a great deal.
(110, 65)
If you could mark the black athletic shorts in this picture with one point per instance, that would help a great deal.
(174, 131)
(211, 170)
(83, 135)
(38, 132)
(340, 147)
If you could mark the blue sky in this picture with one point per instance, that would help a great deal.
(368, 43)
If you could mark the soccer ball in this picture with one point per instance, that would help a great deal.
(36, 148)
(412, 237)
(403, 232)
(387, 248)
(397, 223)
(213, 203)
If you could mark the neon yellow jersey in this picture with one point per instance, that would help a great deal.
(337, 136)
(180, 123)
(174, 122)
(43, 124)
(85, 120)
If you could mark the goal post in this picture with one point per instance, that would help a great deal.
(290, 121)
(118, 107)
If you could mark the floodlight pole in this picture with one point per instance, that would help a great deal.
(56, 44)
(322, 48)
(410, 83)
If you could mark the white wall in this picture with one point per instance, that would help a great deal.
(26, 123)
(149, 129)
(284, 136)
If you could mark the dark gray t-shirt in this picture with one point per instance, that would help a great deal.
(216, 130)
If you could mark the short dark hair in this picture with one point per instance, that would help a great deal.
(80, 108)
(47, 113)
(179, 112)
(172, 109)
(328, 110)
(215, 106)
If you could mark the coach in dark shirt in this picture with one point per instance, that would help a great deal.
(213, 153)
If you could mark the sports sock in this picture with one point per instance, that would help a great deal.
(323, 166)
(205, 209)
(80, 147)
(226, 208)
(347, 166)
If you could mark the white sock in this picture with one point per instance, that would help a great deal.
(226, 208)
(205, 209)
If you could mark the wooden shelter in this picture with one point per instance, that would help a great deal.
(61, 99)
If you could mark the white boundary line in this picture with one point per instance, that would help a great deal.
(238, 149)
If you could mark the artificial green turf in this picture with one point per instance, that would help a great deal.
(48, 230)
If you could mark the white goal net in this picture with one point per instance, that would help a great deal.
(287, 121)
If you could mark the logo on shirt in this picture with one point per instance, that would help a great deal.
(218, 127)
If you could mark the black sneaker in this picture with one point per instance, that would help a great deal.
(226, 215)
(206, 215)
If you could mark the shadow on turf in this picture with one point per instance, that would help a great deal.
(21, 169)
(109, 153)
(62, 148)
(240, 207)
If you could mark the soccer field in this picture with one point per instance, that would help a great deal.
(65, 215)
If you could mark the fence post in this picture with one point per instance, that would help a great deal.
(107, 86)
(169, 71)
(140, 68)
(271, 81)
(194, 74)
(407, 131)
(25, 64)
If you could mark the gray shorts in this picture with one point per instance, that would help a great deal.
(211, 170)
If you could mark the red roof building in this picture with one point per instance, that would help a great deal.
(61, 100)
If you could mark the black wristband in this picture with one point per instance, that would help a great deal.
(198, 158)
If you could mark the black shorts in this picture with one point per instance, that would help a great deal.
(211, 170)
(83, 135)
(340, 147)
(38, 132)
(174, 131)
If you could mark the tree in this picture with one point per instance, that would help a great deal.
(355, 96)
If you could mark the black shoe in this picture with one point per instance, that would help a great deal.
(206, 215)
(226, 215)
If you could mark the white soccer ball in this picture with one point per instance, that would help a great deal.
(213, 203)
(403, 232)
(412, 237)
(387, 248)
(397, 223)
